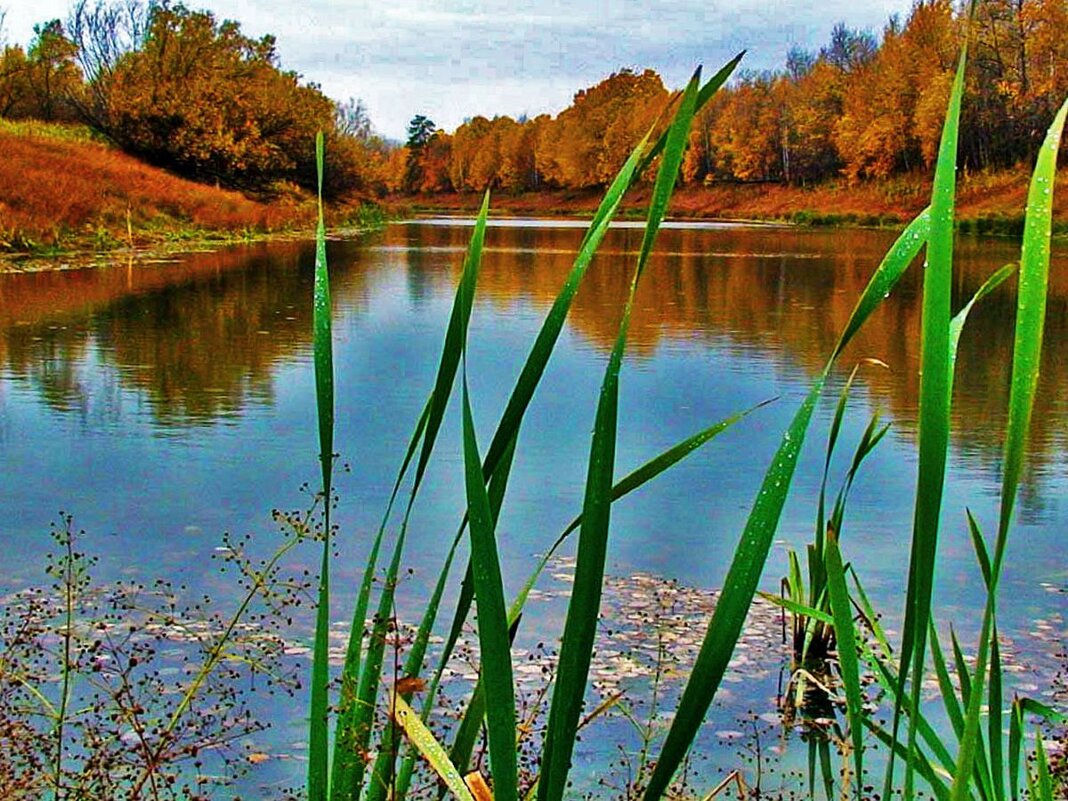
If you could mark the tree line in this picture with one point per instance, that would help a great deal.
(862, 107)
(186, 91)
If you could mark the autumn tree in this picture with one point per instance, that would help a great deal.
(40, 81)
(518, 165)
(436, 160)
(15, 95)
(588, 142)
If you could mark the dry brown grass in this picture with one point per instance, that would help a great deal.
(980, 196)
(60, 189)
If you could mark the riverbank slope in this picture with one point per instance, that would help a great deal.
(986, 202)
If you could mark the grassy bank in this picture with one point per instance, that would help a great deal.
(63, 191)
(989, 203)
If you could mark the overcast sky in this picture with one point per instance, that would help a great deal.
(453, 60)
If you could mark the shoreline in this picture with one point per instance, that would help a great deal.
(978, 214)
(987, 204)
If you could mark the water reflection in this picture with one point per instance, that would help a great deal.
(201, 337)
(786, 294)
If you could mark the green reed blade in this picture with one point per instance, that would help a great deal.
(995, 699)
(534, 367)
(1030, 314)
(351, 780)
(431, 749)
(981, 553)
(1015, 743)
(318, 755)
(453, 347)
(824, 749)
(953, 705)
(581, 623)
(1051, 715)
(414, 662)
(848, 663)
(1026, 358)
(740, 585)
(801, 609)
(545, 342)
(964, 674)
(657, 465)
(543, 346)
(945, 685)
(703, 96)
(969, 692)
(1044, 785)
(468, 730)
(922, 764)
(535, 364)
(816, 577)
(495, 651)
(871, 620)
(956, 325)
(933, 418)
(871, 437)
(343, 771)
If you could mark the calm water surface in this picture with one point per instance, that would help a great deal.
(164, 404)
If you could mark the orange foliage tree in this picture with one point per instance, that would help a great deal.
(587, 142)
(40, 81)
(201, 98)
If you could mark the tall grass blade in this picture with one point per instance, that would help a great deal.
(848, 662)
(1015, 748)
(581, 623)
(318, 755)
(414, 662)
(995, 699)
(816, 578)
(933, 417)
(751, 553)
(344, 770)
(430, 748)
(494, 642)
(363, 708)
(703, 96)
(1044, 785)
(981, 552)
(468, 731)
(534, 366)
(1026, 357)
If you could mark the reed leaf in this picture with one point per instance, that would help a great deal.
(533, 368)
(581, 622)
(1026, 357)
(494, 641)
(424, 741)
(751, 553)
(414, 661)
(318, 753)
(995, 699)
(934, 405)
(1044, 784)
(344, 770)
(349, 780)
(848, 664)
